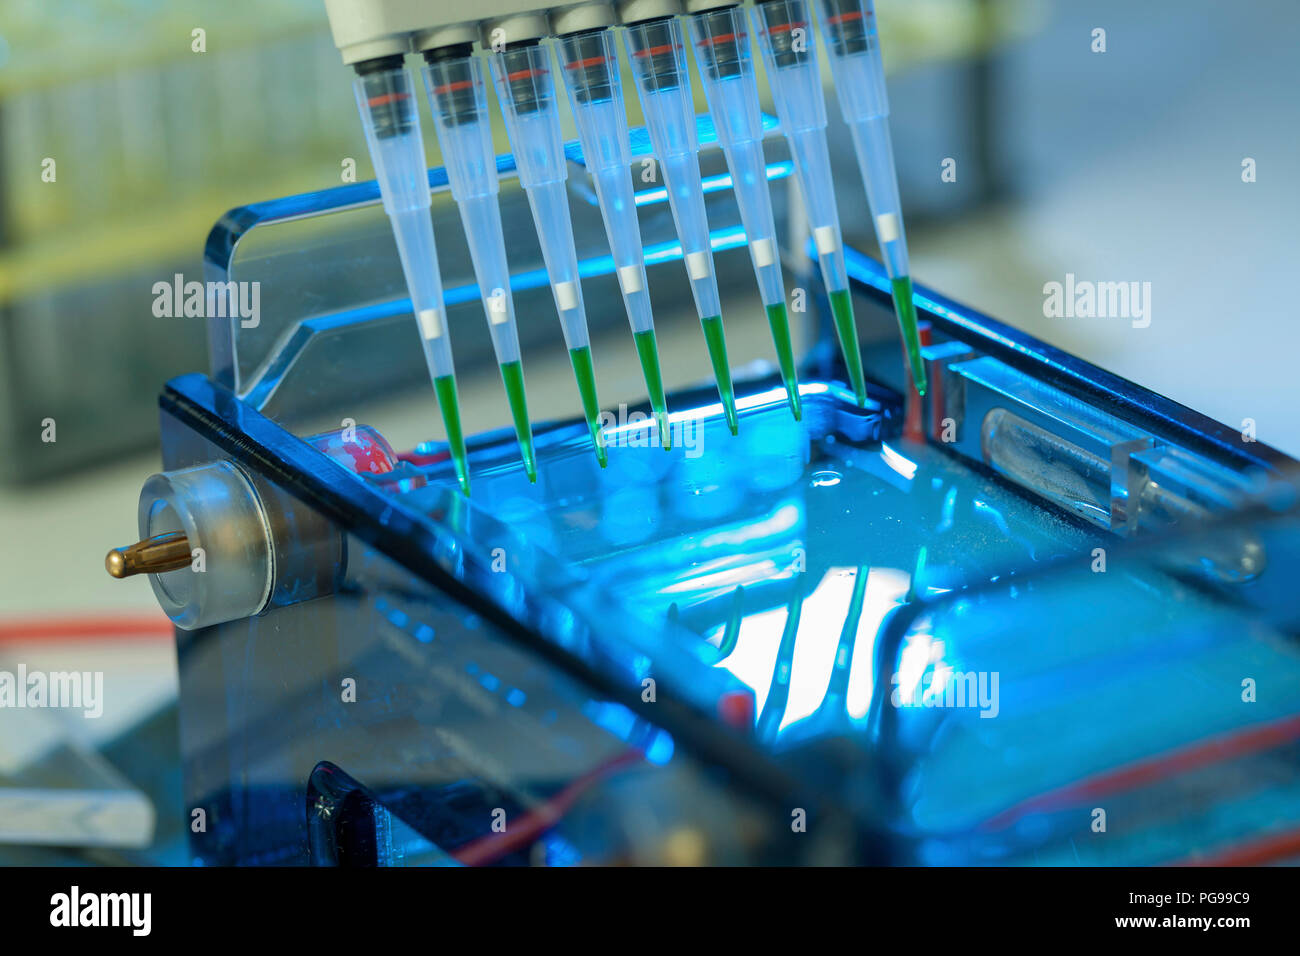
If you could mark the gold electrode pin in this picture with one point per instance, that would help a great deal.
(162, 552)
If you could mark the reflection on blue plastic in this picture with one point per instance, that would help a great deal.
(559, 851)
(283, 360)
(713, 184)
(618, 720)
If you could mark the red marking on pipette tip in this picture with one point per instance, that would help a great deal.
(786, 27)
(526, 73)
(533, 825)
(656, 50)
(1149, 770)
(913, 420)
(1274, 848)
(721, 38)
(736, 709)
(583, 64)
(385, 98)
(845, 17)
(453, 87)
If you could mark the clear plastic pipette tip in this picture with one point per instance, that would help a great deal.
(392, 128)
(858, 70)
(589, 66)
(458, 103)
(722, 52)
(526, 93)
(657, 52)
(794, 77)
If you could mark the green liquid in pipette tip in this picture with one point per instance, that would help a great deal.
(906, 312)
(717, 342)
(780, 323)
(648, 352)
(448, 401)
(731, 633)
(847, 330)
(512, 374)
(585, 373)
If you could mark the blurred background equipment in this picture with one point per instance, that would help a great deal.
(127, 129)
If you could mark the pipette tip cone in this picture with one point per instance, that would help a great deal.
(847, 331)
(585, 373)
(779, 320)
(717, 342)
(512, 375)
(906, 312)
(449, 403)
(647, 350)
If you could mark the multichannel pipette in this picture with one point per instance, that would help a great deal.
(859, 74)
(663, 85)
(392, 126)
(790, 55)
(726, 65)
(526, 92)
(589, 65)
(453, 79)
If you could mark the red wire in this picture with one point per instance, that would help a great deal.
(496, 846)
(1270, 849)
(1196, 756)
(90, 626)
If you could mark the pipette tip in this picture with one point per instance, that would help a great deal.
(906, 312)
(449, 403)
(779, 320)
(585, 373)
(847, 331)
(717, 342)
(512, 375)
(647, 350)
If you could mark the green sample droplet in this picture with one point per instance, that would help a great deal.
(717, 342)
(780, 323)
(906, 313)
(847, 331)
(648, 352)
(449, 403)
(585, 373)
(512, 374)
